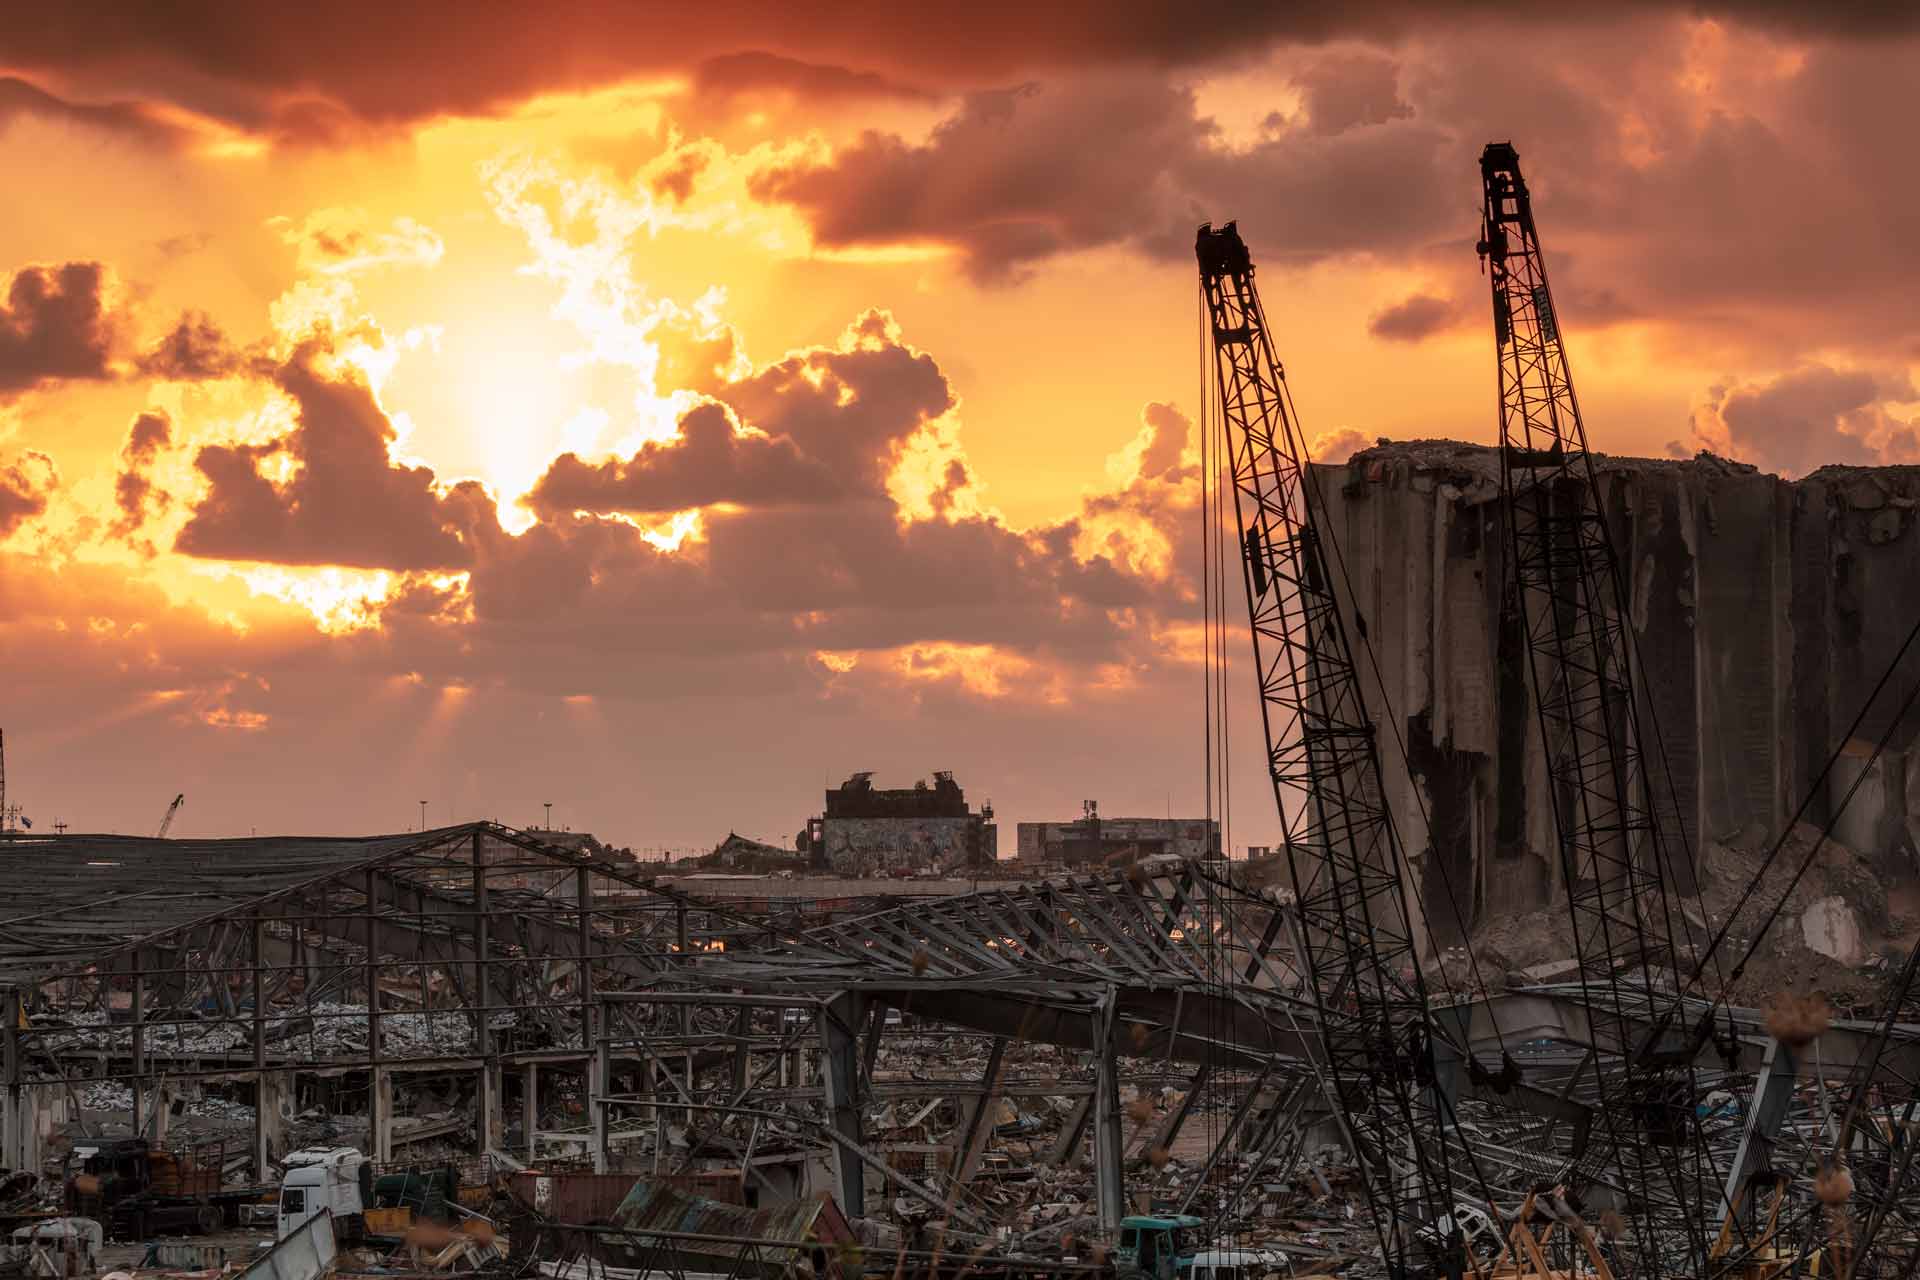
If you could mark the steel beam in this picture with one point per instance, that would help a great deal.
(1108, 1143)
(840, 1070)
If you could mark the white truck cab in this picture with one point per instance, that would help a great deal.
(1238, 1264)
(336, 1178)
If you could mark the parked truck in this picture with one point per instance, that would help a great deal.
(135, 1191)
(1155, 1247)
(338, 1179)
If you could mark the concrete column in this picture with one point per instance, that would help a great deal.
(139, 1001)
(159, 1113)
(656, 1112)
(599, 1085)
(13, 1146)
(14, 1151)
(380, 1116)
(482, 956)
(31, 1112)
(1109, 1187)
(840, 1074)
(492, 1120)
(742, 1054)
(271, 1106)
(530, 1106)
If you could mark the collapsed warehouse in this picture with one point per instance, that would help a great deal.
(1019, 1068)
(1525, 682)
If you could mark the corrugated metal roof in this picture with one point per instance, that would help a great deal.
(71, 898)
(653, 1206)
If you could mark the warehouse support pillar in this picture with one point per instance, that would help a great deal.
(380, 1117)
(1109, 1189)
(840, 1072)
(530, 1108)
(271, 1107)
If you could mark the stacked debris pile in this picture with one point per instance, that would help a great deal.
(1838, 931)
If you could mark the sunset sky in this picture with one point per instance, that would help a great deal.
(664, 411)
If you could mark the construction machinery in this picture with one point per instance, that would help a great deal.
(1362, 963)
(1568, 605)
(166, 823)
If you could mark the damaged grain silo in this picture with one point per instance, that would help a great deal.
(1763, 612)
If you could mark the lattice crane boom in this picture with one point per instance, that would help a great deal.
(1569, 603)
(166, 823)
(1343, 853)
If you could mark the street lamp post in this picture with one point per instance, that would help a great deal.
(423, 815)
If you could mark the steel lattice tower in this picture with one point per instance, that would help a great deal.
(1343, 853)
(1569, 602)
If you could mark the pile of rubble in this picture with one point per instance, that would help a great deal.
(1838, 930)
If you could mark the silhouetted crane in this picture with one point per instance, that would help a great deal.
(1343, 853)
(166, 823)
(1570, 606)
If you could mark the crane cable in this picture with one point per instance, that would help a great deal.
(1476, 979)
(1816, 788)
(1213, 605)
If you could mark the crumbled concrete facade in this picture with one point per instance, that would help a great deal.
(878, 846)
(1094, 840)
(867, 830)
(1762, 610)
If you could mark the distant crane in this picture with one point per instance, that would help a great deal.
(11, 819)
(166, 823)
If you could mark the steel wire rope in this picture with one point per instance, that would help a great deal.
(1476, 977)
(1310, 480)
(1815, 788)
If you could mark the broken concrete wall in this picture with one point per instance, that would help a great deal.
(1762, 612)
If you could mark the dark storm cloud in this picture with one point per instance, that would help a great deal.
(54, 324)
(676, 180)
(133, 119)
(1341, 91)
(1012, 177)
(25, 483)
(708, 463)
(1018, 175)
(1706, 181)
(194, 350)
(851, 406)
(347, 502)
(386, 62)
(133, 488)
(758, 71)
(1415, 318)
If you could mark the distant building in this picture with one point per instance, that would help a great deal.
(867, 831)
(738, 853)
(1101, 842)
